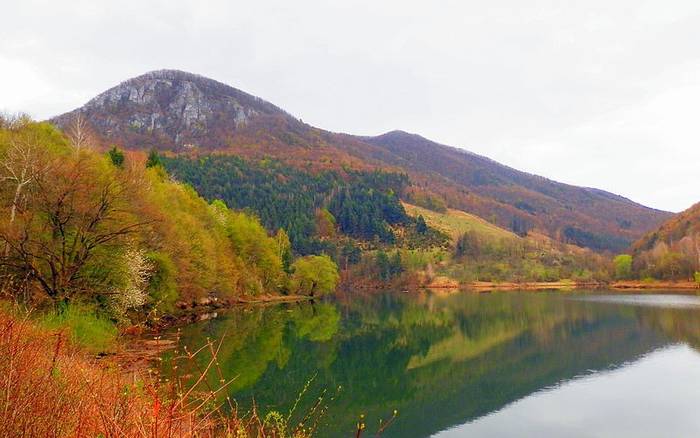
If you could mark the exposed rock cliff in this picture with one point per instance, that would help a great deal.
(173, 109)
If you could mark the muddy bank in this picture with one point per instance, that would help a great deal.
(532, 285)
(444, 283)
(570, 285)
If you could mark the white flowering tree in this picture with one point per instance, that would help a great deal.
(133, 292)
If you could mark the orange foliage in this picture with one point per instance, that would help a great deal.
(49, 388)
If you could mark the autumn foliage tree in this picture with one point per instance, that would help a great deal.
(108, 230)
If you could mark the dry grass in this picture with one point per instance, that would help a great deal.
(49, 388)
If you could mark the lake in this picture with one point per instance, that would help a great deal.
(525, 364)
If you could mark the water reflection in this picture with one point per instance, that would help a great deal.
(654, 300)
(448, 360)
(653, 397)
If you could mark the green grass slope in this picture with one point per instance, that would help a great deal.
(457, 222)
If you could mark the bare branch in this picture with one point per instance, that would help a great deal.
(78, 132)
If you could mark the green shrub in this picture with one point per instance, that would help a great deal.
(116, 156)
(84, 326)
(314, 276)
(623, 267)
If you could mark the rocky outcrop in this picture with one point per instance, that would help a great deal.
(170, 109)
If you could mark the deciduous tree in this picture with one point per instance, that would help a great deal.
(74, 210)
(623, 266)
(314, 276)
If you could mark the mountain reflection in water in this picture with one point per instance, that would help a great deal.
(461, 363)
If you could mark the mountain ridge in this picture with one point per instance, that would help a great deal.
(406, 134)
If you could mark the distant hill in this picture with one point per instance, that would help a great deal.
(181, 112)
(672, 251)
(683, 226)
(580, 215)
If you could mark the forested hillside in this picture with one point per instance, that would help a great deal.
(185, 113)
(327, 211)
(670, 252)
(521, 201)
(112, 231)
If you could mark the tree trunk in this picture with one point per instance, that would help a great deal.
(13, 214)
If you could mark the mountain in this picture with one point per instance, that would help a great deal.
(182, 112)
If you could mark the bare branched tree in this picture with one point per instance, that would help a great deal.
(78, 132)
(14, 121)
(22, 164)
(72, 214)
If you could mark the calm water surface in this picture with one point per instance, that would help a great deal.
(476, 365)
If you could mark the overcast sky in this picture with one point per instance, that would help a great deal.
(595, 93)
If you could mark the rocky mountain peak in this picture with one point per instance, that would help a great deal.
(172, 109)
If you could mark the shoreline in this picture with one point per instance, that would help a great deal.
(208, 308)
(569, 285)
(140, 347)
(641, 285)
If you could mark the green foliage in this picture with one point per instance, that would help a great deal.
(351, 253)
(484, 257)
(389, 267)
(74, 206)
(314, 276)
(306, 205)
(623, 266)
(284, 249)
(429, 201)
(696, 276)
(84, 326)
(258, 250)
(162, 287)
(212, 247)
(316, 322)
(153, 159)
(364, 212)
(581, 237)
(116, 156)
(421, 226)
(325, 223)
